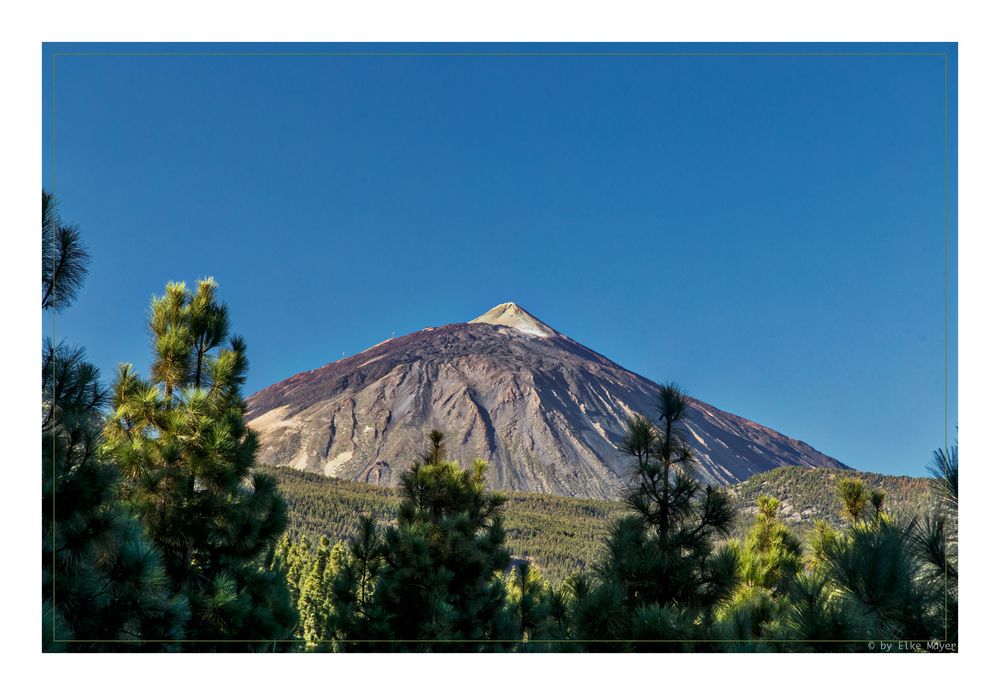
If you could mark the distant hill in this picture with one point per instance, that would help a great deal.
(544, 410)
(808, 495)
(562, 534)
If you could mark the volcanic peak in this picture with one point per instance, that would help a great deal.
(513, 316)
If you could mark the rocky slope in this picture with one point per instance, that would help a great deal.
(543, 409)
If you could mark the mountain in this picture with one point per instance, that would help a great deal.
(546, 412)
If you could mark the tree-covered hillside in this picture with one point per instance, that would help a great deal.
(561, 535)
(808, 495)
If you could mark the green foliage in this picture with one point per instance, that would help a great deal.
(311, 570)
(598, 613)
(558, 535)
(561, 536)
(750, 615)
(935, 542)
(357, 614)
(944, 476)
(895, 574)
(101, 577)
(435, 574)
(782, 589)
(808, 495)
(64, 258)
(872, 562)
(102, 580)
(880, 579)
(187, 457)
(661, 561)
(771, 555)
(769, 560)
(854, 496)
(659, 628)
(529, 600)
(818, 617)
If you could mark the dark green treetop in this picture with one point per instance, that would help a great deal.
(661, 574)
(435, 575)
(187, 457)
(103, 582)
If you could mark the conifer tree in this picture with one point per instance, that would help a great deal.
(526, 597)
(818, 616)
(293, 559)
(316, 599)
(935, 544)
(854, 497)
(187, 458)
(101, 577)
(770, 558)
(872, 565)
(357, 616)
(102, 580)
(311, 568)
(64, 258)
(435, 574)
(660, 563)
(771, 555)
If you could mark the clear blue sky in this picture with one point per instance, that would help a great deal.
(768, 231)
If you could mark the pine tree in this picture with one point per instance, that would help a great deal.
(527, 595)
(818, 616)
(357, 616)
(660, 561)
(187, 458)
(317, 597)
(64, 258)
(873, 566)
(935, 545)
(769, 560)
(771, 555)
(293, 559)
(854, 497)
(102, 580)
(435, 574)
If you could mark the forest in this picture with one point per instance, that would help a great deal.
(563, 535)
(161, 534)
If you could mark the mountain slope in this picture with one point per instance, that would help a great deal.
(546, 412)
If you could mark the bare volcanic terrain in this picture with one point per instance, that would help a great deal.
(545, 411)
